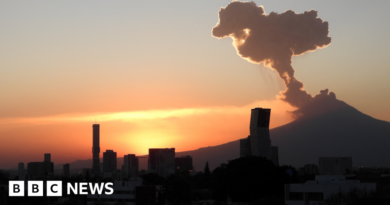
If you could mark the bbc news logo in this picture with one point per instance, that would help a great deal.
(54, 188)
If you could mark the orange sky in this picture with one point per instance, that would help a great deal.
(69, 137)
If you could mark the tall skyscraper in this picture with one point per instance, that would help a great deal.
(109, 161)
(95, 148)
(130, 165)
(258, 142)
(162, 161)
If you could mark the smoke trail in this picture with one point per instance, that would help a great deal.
(273, 39)
(271, 78)
(266, 73)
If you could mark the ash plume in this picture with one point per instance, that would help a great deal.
(273, 40)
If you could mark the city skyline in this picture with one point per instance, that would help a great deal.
(151, 71)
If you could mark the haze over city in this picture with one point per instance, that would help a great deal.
(152, 74)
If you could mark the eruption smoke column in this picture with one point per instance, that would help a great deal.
(273, 39)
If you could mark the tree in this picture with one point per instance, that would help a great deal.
(207, 169)
(219, 184)
(246, 179)
(153, 179)
(177, 190)
(207, 177)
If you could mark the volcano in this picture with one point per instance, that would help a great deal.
(335, 130)
(326, 128)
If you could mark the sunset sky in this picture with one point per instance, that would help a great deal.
(153, 76)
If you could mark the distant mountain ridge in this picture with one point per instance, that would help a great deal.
(327, 128)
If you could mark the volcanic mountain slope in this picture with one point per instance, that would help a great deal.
(336, 129)
(327, 128)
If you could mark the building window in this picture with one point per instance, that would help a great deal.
(296, 196)
(315, 196)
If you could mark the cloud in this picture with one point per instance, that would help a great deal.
(279, 109)
(274, 39)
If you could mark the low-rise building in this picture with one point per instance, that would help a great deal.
(129, 192)
(124, 192)
(66, 170)
(335, 165)
(324, 186)
(162, 161)
(183, 164)
(309, 169)
(130, 165)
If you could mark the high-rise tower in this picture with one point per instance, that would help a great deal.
(260, 142)
(109, 161)
(162, 161)
(95, 148)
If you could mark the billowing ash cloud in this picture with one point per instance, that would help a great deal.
(274, 39)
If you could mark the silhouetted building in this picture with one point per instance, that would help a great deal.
(87, 172)
(374, 170)
(130, 165)
(21, 172)
(95, 148)
(323, 187)
(66, 170)
(48, 166)
(40, 169)
(309, 169)
(258, 142)
(162, 161)
(47, 157)
(335, 165)
(245, 147)
(183, 164)
(124, 193)
(34, 169)
(109, 161)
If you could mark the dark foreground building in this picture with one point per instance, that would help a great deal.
(183, 164)
(162, 161)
